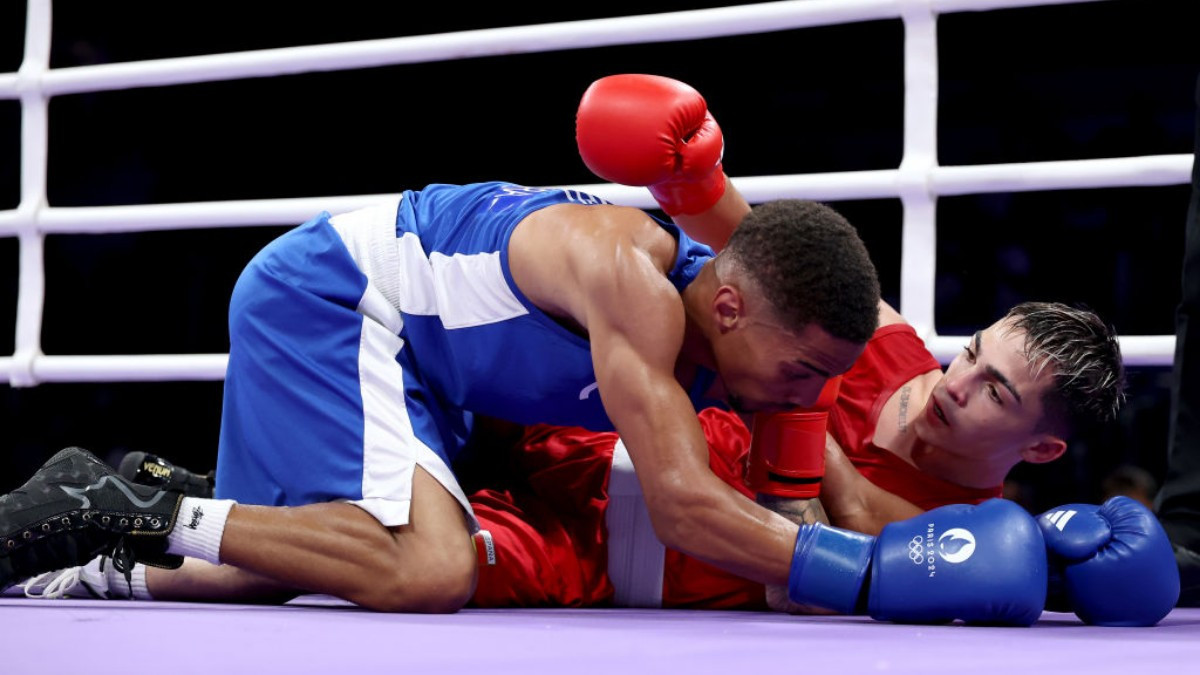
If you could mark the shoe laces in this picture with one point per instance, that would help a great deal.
(123, 560)
(54, 585)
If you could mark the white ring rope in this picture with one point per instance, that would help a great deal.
(918, 181)
(665, 27)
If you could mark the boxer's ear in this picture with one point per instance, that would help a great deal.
(728, 308)
(1044, 449)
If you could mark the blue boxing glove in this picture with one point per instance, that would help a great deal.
(979, 564)
(1112, 564)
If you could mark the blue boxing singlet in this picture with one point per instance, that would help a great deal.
(479, 344)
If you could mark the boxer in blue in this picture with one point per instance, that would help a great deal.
(363, 345)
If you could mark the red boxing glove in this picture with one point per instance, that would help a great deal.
(654, 131)
(787, 450)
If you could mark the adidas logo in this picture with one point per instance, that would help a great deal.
(1059, 519)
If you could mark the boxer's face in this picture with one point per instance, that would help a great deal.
(766, 367)
(988, 405)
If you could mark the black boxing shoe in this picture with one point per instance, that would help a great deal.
(75, 508)
(145, 468)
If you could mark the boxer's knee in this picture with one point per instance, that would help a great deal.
(435, 584)
(434, 569)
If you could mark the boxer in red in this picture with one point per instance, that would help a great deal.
(904, 437)
(881, 465)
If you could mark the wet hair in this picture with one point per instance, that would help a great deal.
(811, 266)
(1089, 375)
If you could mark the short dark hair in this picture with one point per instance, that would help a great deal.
(811, 265)
(1089, 374)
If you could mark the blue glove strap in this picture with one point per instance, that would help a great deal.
(829, 566)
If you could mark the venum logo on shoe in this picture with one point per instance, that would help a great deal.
(157, 470)
(197, 514)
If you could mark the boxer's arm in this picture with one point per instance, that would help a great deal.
(635, 322)
(888, 315)
(716, 225)
(855, 503)
(851, 501)
(801, 512)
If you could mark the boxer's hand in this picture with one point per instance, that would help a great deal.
(1112, 564)
(983, 564)
(653, 131)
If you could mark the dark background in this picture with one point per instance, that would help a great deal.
(1107, 79)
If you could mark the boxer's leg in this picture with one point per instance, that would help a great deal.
(201, 581)
(337, 549)
(321, 405)
(1178, 502)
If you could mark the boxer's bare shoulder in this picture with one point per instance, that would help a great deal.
(563, 255)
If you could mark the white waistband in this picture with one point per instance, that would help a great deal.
(370, 236)
(462, 289)
(635, 555)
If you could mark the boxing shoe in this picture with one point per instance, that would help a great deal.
(145, 468)
(85, 581)
(76, 508)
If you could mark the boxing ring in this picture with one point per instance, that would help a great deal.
(319, 634)
(319, 638)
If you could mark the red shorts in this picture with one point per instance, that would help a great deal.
(549, 528)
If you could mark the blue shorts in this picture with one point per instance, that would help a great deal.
(321, 398)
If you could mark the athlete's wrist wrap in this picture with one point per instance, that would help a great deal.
(787, 450)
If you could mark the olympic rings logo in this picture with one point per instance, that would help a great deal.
(916, 550)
